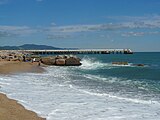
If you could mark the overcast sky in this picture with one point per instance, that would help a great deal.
(131, 24)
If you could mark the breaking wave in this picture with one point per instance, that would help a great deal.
(92, 64)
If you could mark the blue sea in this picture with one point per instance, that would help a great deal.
(97, 90)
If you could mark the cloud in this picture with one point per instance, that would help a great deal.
(148, 24)
(138, 34)
(150, 21)
(104, 27)
(135, 34)
(139, 23)
(7, 31)
(53, 23)
(69, 31)
(5, 34)
(134, 18)
(58, 36)
(84, 28)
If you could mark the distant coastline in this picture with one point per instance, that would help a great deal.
(33, 47)
(29, 47)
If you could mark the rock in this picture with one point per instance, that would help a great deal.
(3, 57)
(59, 57)
(28, 59)
(72, 61)
(120, 63)
(140, 65)
(48, 61)
(60, 62)
(7, 59)
(15, 59)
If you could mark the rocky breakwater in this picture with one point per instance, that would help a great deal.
(61, 61)
(9, 55)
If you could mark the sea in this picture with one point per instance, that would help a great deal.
(96, 90)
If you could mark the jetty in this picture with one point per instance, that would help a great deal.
(80, 51)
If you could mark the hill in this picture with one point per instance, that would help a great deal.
(29, 47)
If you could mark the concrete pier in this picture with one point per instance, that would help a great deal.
(81, 51)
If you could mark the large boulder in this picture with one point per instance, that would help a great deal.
(139, 65)
(72, 61)
(60, 62)
(15, 59)
(48, 61)
(28, 58)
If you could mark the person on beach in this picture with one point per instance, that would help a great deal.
(39, 63)
(24, 58)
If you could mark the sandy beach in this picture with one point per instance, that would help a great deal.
(8, 67)
(10, 109)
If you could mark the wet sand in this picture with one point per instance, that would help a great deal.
(10, 109)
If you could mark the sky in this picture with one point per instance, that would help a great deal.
(133, 24)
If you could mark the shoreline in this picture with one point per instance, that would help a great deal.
(10, 109)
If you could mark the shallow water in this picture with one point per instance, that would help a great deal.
(97, 90)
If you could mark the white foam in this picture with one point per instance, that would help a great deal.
(108, 79)
(91, 64)
(128, 65)
(122, 98)
(52, 97)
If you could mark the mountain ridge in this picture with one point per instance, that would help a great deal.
(30, 47)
